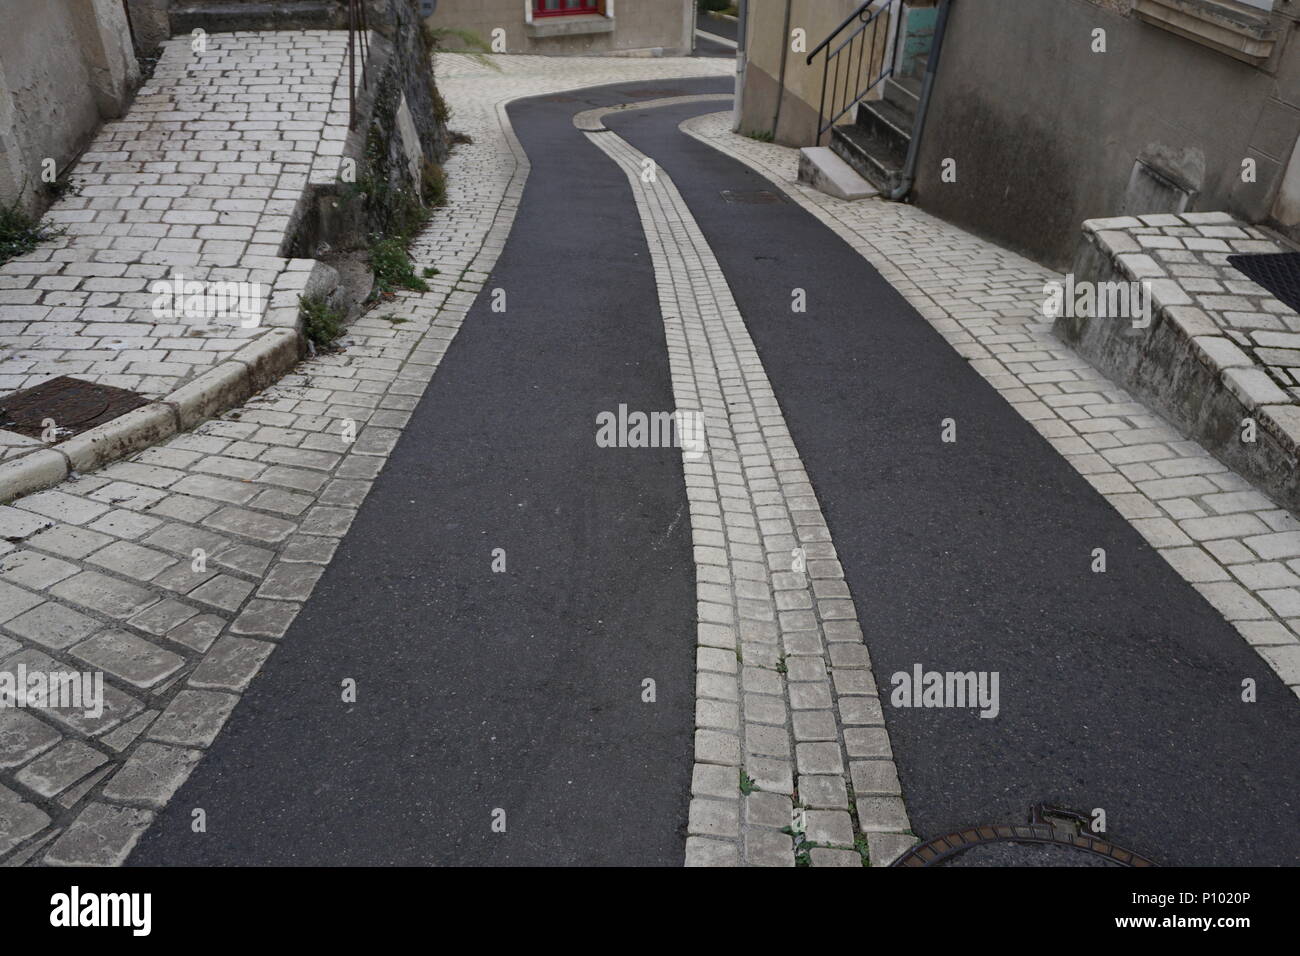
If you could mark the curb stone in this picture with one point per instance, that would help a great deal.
(253, 367)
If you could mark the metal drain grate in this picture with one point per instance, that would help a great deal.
(73, 405)
(752, 197)
(1277, 272)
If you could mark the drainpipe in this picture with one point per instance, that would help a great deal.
(742, 25)
(927, 87)
(780, 81)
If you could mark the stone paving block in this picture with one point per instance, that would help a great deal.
(819, 758)
(36, 571)
(198, 632)
(262, 618)
(58, 769)
(129, 658)
(53, 625)
(881, 814)
(768, 810)
(250, 524)
(867, 742)
(825, 856)
(193, 718)
(132, 560)
(773, 774)
(151, 775)
(874, 778)
(884, 848)
(705, 852)
(830, 827)
(102, 835)
(294, 582)
(23, 737)
(163, 617)
(107, 595)
(709, 780)
(231, 664)
(62, 507)
(15, 601)
(825, 792)
(715, 818)
(19, 820)
(768, 848)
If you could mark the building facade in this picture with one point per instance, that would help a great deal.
(1045, 113)
(573, 27)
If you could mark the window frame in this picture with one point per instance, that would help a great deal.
(588, 8)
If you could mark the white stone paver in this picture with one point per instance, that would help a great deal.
(99, 572)
(1240, 550)
(785, 694)
(199, 180)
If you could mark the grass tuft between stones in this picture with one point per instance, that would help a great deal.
(21, 233)
(321, 323)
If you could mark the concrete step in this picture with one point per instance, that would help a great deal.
(889, 123)
(904, 92)
(226, 16)
(868, 157)
(822, 169)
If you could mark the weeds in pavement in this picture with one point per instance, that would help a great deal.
(21, 233)
(321, 323)
(443, 39)
(392, 266)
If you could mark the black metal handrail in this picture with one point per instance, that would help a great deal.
(358, 37)
(874, 65)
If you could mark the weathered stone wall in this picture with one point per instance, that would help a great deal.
(65, 66)
(398, 144)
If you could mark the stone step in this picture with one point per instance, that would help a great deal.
(904, 92)
(226, 16)
(822, 169)
(867, 156)
(889, 123)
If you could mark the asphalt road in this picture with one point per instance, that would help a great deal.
(1119, 691)
(714, 27)
(476, 691)
(522, 690)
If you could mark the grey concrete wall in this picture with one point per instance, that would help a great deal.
(667, 26)
(1045, 132)
(65, 66)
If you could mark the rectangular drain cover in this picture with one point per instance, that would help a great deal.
(751, 197)
(1279, 273)
(72, 405)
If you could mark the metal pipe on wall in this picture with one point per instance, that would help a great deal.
(742, 26)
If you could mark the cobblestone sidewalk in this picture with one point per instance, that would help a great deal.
(199, 180)
(1234, 545)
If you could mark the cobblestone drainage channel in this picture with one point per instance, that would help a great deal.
(1278, 272)
(73, 406)
(1052, 837)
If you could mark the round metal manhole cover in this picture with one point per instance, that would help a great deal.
(72, 405)
(1052, 838)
